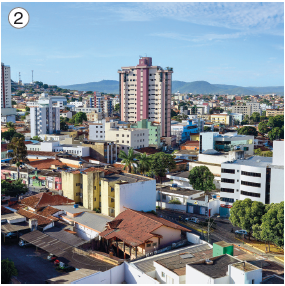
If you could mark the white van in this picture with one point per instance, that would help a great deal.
(192, 219)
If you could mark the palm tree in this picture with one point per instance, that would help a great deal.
(10, 125)
(19, 152)
(144, 163)
(128, 160)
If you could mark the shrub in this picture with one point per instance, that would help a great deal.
(175, 201)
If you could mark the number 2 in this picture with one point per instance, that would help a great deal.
(16, 21)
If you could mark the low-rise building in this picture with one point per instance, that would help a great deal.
(274, 112)
(183, 130)
(94, 116)
(222, 118)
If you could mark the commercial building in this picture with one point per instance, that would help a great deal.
(183, 130)
(109, 189)
(7, 112)
(154, 131)
(45, 118)
(258, 178)
(145, 92)
(226, 142)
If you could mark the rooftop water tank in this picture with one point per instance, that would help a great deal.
(75, 206)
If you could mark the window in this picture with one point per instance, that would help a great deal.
(227, 190)
(154, 244)
(100, 204)
(237, 190)
(77, 184)
(148, 245)
(94, 199)
(77, 194)
(250, 194)
(245, 148)
(94, 187)
(229, 200)
(251, 174)
(112, 200)
(164, 197)
(112, 189)
(229, 171)
(162, 274)
(251, 184)
(230, 181)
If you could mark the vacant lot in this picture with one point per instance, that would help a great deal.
(32, 266)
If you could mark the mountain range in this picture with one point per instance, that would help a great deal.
(195, 87)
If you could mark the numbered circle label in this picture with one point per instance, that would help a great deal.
(18, 18)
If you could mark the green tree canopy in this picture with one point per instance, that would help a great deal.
(38, 138)
(27, 108)
(14, 188)
(78, 118)
(19, 152)
(255, 116)
(117, 107)
(8, 270)
(201, 178)
(207, 128)
(45, 86)
(262, 127)
(160, 163)
(276, 121)
(128, 159)
(247, 130)
(14, 102)
(271, 228)
(246, 213)
(276, 133)
(144, 162)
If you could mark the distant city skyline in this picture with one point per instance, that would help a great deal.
(222, 43)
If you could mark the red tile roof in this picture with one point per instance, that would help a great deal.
(135, 227)
(4, 147)
(45, 164)
(190, 143)
(41, 153)
(5, 211)
(45, 199)
(48, 211)
(41, 219)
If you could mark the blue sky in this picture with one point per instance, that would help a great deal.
(225, 43)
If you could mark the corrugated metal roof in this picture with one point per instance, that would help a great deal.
(146, 264)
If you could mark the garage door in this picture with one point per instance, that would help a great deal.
(190, 209)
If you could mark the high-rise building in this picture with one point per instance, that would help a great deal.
(145, 93)
(6, 101)
(45, 118)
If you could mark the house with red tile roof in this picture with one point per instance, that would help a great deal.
(143, 232)
(41, 200)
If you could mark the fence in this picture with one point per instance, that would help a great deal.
(177, 207)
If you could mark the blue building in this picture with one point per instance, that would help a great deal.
(183, 130)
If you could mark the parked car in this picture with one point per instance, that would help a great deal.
(23, 243)
(51, 257)
(241, 231)
(192, 219)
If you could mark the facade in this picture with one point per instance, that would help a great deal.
(97, 131)
(145, 92)
(94, 116)
(110, 191)
(154, 131)
(183, 130)
(225, 119)
(274, 112)
(45, 118)
(226, 142)
(8, 114)
(237, 117)
(243, 109)
(255, 107)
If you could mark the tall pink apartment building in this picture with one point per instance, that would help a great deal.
(145, 93)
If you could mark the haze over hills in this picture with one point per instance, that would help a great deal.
(203, 87)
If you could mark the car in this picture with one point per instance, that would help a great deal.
(192, 219)
(241, 231)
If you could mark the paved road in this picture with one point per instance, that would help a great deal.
(221, 232)
(32, 266)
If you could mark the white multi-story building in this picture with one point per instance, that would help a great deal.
(45, 118)
(145, 92)
(97, 130)
(255, 107)
(258, 178)
(7, 112)
(76, 103)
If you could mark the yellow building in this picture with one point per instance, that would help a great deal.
(109, 190)
(194, 137)
(274, 112)
(221, 118)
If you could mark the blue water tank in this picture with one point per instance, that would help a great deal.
(214, 196)
(75, 206)
(174, 185)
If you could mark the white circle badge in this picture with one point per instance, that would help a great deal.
(18, 18)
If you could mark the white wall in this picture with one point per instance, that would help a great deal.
(238, 276)
(135, 276)
(193, 238)
(161, 271)
(277, 184)
(171, 206)
(140, 196)
(278, 153)
(85, 232)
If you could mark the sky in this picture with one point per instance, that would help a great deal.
(222, 43)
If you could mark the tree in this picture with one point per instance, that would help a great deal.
(79, 117)
(14, 188)
(248, 130)
(8, 270)
(263, 113)
(255, 116)
(10, 125)
(144, 163)
(45, 86)
(207, 128)
(128, 159)
(201, 178)
(14, 102)
(37, 138)
(262, 127)
(276, 121)
(19, 152)
(173, 113)
(27, 108)
(160, 163)
(246, 213)
(271, 228)
(276, 133)
(63, 126)
(117, 107)
(258, 152)
(80, 98)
